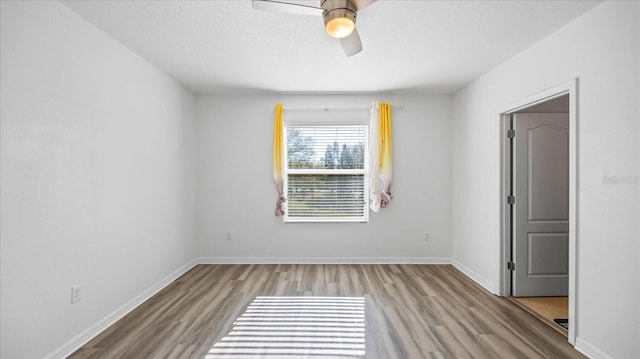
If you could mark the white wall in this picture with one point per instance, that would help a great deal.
(600, 48)
(237, 194)
(98, 176)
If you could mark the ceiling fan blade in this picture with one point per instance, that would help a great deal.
(285, 7)
(361, 4)
(351, 44)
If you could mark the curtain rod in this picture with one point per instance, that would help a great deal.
(397, 107)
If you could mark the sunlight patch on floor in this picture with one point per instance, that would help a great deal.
(273, 327)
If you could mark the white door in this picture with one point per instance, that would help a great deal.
(541, 210)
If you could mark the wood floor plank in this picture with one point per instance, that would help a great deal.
(410, 311)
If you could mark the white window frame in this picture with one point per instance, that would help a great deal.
(331, 171)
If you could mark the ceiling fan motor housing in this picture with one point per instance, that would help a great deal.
(338, 9)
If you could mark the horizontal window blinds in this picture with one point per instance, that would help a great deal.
(325, 196)
(325, 173)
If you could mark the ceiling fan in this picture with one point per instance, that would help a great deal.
(339, 17)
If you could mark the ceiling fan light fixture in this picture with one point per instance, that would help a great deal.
(339, 21)
(340, 27)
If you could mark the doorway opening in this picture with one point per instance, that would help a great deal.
(539, 166)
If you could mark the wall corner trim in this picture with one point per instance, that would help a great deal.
(590, 350)
(486, 284)
(324, 260)
(78, 341)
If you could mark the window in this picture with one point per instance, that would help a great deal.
(326, 173)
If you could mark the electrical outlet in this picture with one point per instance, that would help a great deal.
(427, 238)
(75, 293)
(229, 237)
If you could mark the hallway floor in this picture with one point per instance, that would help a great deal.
(549, 308)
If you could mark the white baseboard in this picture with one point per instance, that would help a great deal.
(486, 284)
(84, 337)
(590, 350)
(323, 260)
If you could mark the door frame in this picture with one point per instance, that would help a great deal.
(504, 276)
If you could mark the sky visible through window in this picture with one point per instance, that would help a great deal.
(326, 146)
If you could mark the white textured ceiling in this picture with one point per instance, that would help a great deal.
(226, 46)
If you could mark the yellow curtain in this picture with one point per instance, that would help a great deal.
(278, 158)
(385, 155)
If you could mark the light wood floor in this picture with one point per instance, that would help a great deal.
(410, 311)
(549, 308)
